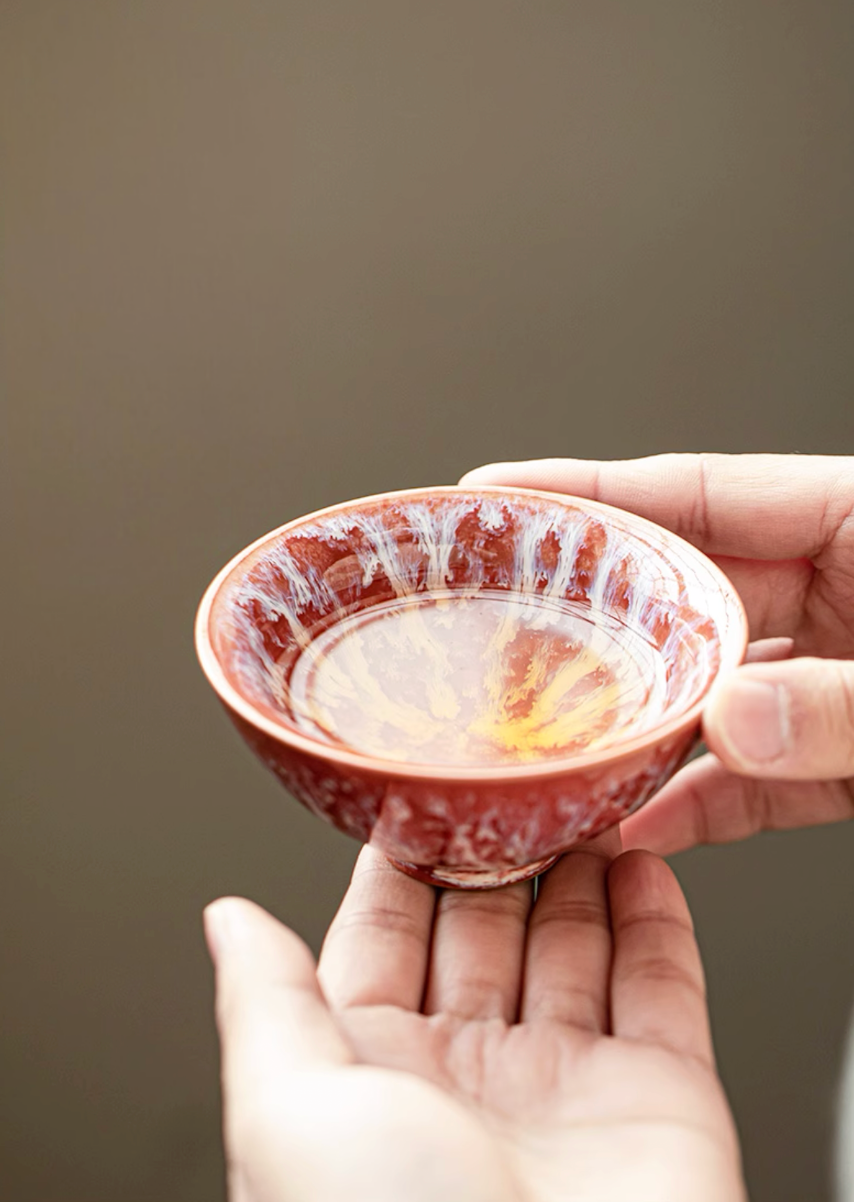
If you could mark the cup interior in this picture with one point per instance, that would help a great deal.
(457, 628)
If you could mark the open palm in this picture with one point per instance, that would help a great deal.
(475, 1046)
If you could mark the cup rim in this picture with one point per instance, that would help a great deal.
(734, 644)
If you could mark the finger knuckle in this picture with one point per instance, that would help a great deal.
(572, 912)
(664, 970)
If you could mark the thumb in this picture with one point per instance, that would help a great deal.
(790, 720)
(271, 1014)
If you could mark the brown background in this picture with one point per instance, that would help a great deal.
(261, 257)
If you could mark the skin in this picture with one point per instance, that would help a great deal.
(475, 1047)
(782, 528)
(493, 1048)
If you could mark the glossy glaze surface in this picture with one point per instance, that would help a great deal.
(457, 679)
(473, 680)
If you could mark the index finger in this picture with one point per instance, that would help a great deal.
(377, 949)
(747, 506)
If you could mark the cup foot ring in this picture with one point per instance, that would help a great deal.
(473, 878)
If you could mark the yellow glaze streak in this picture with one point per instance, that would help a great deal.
(450, 678)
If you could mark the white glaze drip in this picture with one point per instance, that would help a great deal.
(285, 585)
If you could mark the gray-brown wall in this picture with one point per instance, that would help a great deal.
(260, 257)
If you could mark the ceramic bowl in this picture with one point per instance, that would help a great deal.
(473, 680)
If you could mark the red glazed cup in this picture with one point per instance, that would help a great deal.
(473, 680)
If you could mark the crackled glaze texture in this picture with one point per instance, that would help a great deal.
(466, 678)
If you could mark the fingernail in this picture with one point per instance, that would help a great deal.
(753, 720)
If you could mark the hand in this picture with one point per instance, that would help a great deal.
(782, 528)
(473, 1047)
